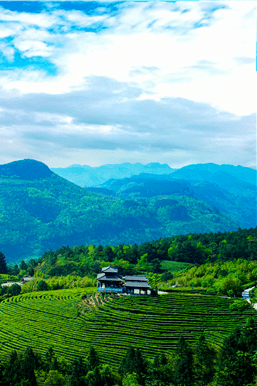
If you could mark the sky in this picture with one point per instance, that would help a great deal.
(96, 83)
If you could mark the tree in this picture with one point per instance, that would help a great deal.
(133, 362)
(249, 335)
(166, 276)
(155, 266)
(184, 364)
(14, 270)
(204, 362)
(93, 358)
(187, 252)
(29, 364)
(12, 373)
(235, 367)
(161, 372)
(143, 263)
(93, 378)
(42, 286)
(49, 356)
(3, 265)
(130, 380)
(78, 372)
(232, 286)
(54, 378)
(23, 265)
(154, 280)
(107, 376)
(14, 289)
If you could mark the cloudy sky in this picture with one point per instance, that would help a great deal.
(110, 82)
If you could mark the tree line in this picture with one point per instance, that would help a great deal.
(87, 260)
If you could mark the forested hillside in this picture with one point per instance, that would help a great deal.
(40, 211)
(87, 260)
(229, 195)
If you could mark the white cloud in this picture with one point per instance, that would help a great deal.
(32, 48)
(117, 88)
(139, 39)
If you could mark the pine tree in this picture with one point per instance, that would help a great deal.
(12, 373)
(49, 355)
(54, 364)
(235, 367)
(127, 363)
(29, 364)
(204, 362)
(78, 372)
(133, 362)
(3, 265)
(162, 372)
(184, 364)
(249, 335)
(93, 358)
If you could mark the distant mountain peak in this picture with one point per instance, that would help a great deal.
(27, 169)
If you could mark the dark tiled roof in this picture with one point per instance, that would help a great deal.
(135, 278)
(134, 284)
(103, 277)
(109, 270)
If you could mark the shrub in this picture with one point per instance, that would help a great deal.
(239, 305)
(14, 289)
(42, 286)
(166, 276)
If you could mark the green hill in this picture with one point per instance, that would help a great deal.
(40, 211)
(62, 320)
(226, 193)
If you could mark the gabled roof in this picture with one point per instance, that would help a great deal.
(134, 284)
(103, 277)
(135, 278)
(109, 270)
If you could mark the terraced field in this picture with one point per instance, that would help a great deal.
(152, 324)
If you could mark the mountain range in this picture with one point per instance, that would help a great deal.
(41, 210)
(88, 176)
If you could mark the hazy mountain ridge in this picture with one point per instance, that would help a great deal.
(42, 213)
(234, 197)
(87, 176)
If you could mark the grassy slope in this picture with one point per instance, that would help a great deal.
(152, 324)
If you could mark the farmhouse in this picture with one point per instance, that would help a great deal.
(110, 281)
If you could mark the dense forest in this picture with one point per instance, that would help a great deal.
(42, 211)
(234, 365)
(222, 262)
(191, 248)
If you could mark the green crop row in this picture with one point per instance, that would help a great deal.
(43, 319)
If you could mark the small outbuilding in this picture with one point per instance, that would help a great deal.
(26, 279)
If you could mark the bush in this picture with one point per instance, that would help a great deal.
(14, 290)
(42, 286)
(239, 305)
(166, 276)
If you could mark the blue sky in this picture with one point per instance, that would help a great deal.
(111, 82)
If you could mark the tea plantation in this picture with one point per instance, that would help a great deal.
(154, 324)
